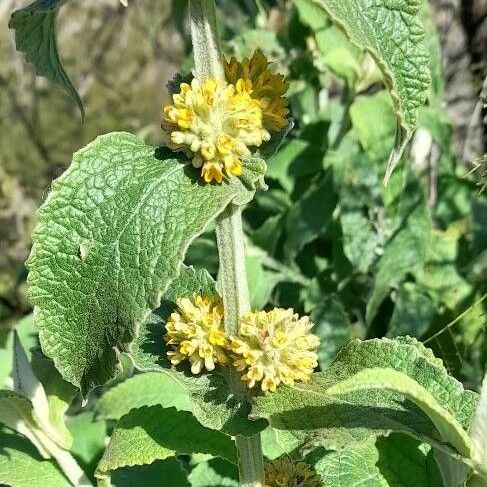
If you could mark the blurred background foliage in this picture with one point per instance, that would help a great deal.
(329, 239)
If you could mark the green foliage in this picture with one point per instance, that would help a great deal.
(394, 37)
(21, 465)
(128, 229)
(146, 389)
(337, 423)
(35, 36)
(115, 225)
(154, 433)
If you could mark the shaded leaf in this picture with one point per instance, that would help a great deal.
(21, 465)
(146, 389)
(155, 433)
(383, 379)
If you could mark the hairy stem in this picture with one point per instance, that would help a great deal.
(206, 41)
(65, 461)
(230, 237)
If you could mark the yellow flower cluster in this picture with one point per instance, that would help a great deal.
(284, 472)
(196, 332)
(217, 123)
(265, 86)
(274, 347)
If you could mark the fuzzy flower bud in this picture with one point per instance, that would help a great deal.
(195, 332)
(284, 472)
(274, 347)
(216, 124)
(264, 86)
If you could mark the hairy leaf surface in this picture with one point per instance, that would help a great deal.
(335, 424)
(389, 379)
(155, 433)
(109, 240)
(21, 465)
(146, 389)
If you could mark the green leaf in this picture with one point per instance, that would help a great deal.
(146, 389)
(450, 429)
(154, 433)
(261, 281)
(393, 35)
(311, 416)
(404, 462)
(373, 120)
(413, 311)
(440, 274)
(359, 200)
(21, 465)
(310, 215)
(214, 473)
(166, 472)
(406, 250)
(89, 439)
(59, 394)
(214, 403)
(349, 467)
(109, 240)
(17, 413)
(35, 36)
(332, 327)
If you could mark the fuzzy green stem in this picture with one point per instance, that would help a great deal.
(208, 62)
(206, 41)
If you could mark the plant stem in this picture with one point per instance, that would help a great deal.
(64, 460)
(206, 41)
(208, 63)
(234, 288)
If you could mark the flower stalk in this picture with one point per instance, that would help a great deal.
(208, 62)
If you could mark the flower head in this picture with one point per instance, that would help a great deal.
(195, 331)
(264, 86)
(274, 347)
(284, 472)
(215, 123)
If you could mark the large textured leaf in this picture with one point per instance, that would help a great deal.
(109, 240)
(389, 379)
(143, 390)
(393, 34)
(155, 433)
(35, 36)
(21, 465)
(349, 467)
(395, 461)
(214, 403)
(335, 424)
